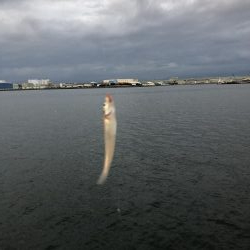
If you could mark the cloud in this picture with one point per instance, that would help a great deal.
(91, 40)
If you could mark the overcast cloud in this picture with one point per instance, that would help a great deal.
(146, 39)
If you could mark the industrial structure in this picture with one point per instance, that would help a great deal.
(121, 82)
(4, 85)
(37, 84)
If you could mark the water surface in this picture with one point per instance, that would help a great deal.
(180, 178)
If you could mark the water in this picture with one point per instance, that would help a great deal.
(180, 178)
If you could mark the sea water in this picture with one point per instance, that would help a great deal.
(180, 177)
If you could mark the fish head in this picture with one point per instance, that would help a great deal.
(108, 106)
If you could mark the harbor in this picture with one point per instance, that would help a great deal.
(39, 84)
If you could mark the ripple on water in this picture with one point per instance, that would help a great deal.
(179, 179)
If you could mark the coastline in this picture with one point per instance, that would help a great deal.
(151, 83)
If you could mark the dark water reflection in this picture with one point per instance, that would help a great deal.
(180, 177)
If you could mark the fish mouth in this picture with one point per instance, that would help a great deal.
(109, 98)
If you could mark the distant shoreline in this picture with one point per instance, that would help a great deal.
(152, 83)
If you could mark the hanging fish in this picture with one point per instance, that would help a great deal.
(109, 120)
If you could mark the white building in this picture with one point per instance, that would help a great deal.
(27, 85)
(109, 81)
(148, 84)
(39, 83)
(121, 81)
(127, 81)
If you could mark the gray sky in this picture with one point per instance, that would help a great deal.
(146, 39)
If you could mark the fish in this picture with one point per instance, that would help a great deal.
(110, 127)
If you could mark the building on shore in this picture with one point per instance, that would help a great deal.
(38, 83)
(109, 82)
(128, 81)
(121, 81)
(148, 83)
(27, 85)
(4, 85)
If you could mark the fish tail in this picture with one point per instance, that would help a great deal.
(102, 179)
(105, 172)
